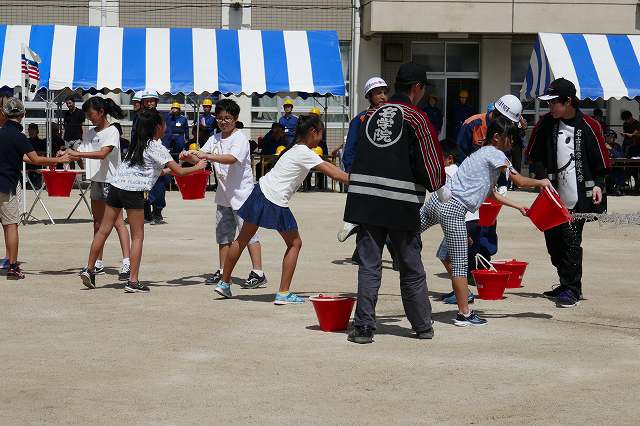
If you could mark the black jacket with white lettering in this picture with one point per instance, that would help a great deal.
(590, 154)
(398, 158)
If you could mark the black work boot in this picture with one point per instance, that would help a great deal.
(361, 335)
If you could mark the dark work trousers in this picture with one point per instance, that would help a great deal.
(413, 282)
(564, 246)
(157, 193)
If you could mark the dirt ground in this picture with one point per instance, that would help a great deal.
(182, 356)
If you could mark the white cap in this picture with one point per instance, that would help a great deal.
(372, 83)
(509, 106)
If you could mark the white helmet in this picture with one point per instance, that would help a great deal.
(150, 94)
(509, 106)
(372, 83)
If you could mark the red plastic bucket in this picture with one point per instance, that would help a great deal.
(490, 284)
(489, 211)
(59, 182)
(194, 185)
(516, 268)
(333, 312)
(548, 211)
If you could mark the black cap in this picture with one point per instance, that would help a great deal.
(560, 87)
(411, 73)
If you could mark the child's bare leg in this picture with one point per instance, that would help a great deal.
(123, 236)
(461, 290)
(255, 253)
(289, 261)
(136, 222)
(223, 252)
(100, 237)
(235, 249)
(447, 266)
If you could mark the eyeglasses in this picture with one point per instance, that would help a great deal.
(226, 119)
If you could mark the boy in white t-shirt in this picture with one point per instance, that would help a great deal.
(229, 151)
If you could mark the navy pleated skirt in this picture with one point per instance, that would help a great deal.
(262, 212)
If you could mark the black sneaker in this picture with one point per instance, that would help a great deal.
(136, 287)
(426, 334)
(88, 278)
(98, 270)
(361, 335)
(567, 299)
(158, 220)
(472, 319)
(554, 292)
(255, 281)
(15, 273)
(214, 279)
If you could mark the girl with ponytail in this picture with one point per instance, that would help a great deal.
(142, 166)
(100, 149)
(268, 205)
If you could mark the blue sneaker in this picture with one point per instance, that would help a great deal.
(451, 300)
(224, 290)
(473, 319)
(4, 263)
(288, 299)
(567, 299)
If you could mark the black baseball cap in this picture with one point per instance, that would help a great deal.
(411, 73)
(560, 87)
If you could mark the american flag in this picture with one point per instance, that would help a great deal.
(30, 72)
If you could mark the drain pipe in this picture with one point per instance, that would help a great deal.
(355, 55)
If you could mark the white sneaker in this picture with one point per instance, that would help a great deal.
(347, 230)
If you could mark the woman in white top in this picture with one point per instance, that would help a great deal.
(139, 171)
(268, 205)
(100, 148)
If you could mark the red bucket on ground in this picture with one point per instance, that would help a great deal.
(516, 267)
(489, 211)
(194, 185)
(333, 312)
(548, 210)
(490, 284)
(59, 182)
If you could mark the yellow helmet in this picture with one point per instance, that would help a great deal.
(288, 102)
(193, 147)
(175, 105)
(207, 102)
(318, 150)
(315, 111)
(463, 93)
(280, 149)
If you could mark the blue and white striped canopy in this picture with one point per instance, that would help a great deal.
(186, 60)
(600, 65)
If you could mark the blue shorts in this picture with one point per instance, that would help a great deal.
(262, 212)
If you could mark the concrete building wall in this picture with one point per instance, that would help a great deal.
(369, 65)
(501, 16)
(495, 61)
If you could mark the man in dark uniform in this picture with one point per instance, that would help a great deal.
(288, 120)
(207, 119)
(177, 132)
(73, 119)
(398, 158)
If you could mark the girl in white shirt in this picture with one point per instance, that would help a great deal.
(101, 150)
(268, 205)
(144, 163)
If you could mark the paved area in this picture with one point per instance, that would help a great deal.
(181, 356)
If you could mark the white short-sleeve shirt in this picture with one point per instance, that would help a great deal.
(92, 140)
(450, 171)
(477, 176)
(235, 181)
(143, 177)
(288, 174)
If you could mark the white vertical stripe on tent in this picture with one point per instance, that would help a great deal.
(298, 61)
(110, 58)
(63, 56)
(158, 74)
(610, 79)
(11, 71)
(559, 59)
(533, 63)
(251, 62)
(205, 61)
(543, 69)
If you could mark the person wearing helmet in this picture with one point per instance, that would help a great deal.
(207, 119)
(288, 120)
(433, 112)
(150, 99)
(460, 111)
(321, 180)
(136, 102)
(177, 132)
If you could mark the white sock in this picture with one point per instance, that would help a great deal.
(260, 272)
(126, 261)
(465, 315)
(99, 264)
(221, 271)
